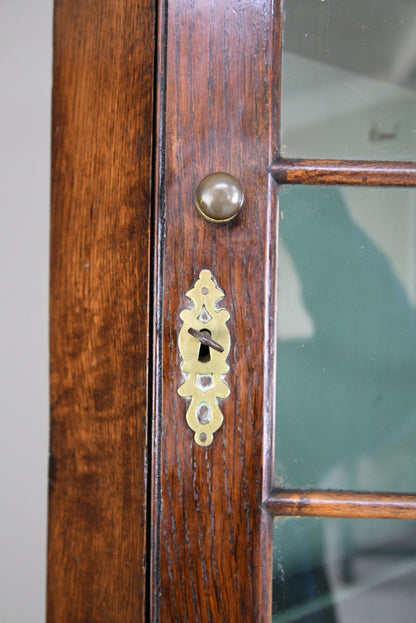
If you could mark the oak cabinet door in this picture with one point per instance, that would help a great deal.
(162, 493)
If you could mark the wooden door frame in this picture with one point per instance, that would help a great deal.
(218, 112)
(101, 227)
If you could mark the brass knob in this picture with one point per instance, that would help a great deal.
(219, 197)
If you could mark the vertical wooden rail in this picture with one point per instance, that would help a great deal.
(101, 211)
(221, 98)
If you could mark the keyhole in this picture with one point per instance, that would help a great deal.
(204, 354)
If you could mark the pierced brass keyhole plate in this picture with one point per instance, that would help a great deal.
(204, 344)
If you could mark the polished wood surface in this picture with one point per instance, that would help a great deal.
(354, 172)
(214, 558)
(99, 321)
(341, 504)
(208, 539)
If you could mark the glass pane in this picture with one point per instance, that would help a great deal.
(344, 570)
(349, 79)
(346, 355)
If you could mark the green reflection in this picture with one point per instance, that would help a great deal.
(346, 373)
(343, 570)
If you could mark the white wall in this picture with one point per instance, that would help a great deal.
(25, 94)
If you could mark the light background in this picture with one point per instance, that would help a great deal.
(25, 103)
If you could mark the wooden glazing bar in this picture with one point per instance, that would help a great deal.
(352, 172)
(314, 503)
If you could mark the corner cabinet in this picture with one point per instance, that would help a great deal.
(162, 487)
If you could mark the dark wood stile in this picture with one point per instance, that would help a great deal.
(353, 172)
(99, 316)
(221, 97)
(341, 504)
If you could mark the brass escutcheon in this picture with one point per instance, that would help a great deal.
(204, 344)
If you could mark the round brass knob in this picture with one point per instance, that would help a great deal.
(219, 197)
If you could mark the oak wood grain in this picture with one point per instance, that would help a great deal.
(220, 110)
(99, 318)
(341, 504)
(353, 172)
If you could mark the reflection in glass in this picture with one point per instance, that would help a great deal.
(349, 79)
(346, 356)
(344, 570)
